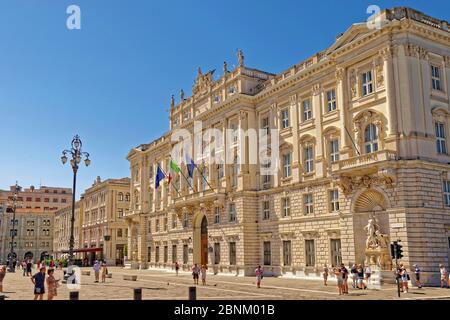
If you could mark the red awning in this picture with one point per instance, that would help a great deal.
(83, 250)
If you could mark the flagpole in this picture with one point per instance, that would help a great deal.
(204, 178)
(172, 183)
(181, 172)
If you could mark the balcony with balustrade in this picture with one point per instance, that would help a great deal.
(363, 162)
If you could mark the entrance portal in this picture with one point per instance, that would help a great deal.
(204, 242)
(200, 239)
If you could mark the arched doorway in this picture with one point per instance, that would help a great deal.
(28, 255)
(44, 256)
(201, 239)
(368, 204)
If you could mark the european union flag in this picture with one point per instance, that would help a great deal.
(159, 176)
(190, 164)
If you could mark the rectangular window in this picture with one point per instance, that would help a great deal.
(220, 172)
(440, 138)
(120, 213)
(331, 100)
(232, 212)
(266, 210)
(185, 254)
(232, 253)
(309, 159)
(285, 118)
(334, 200)
(166, 222)
(174, 221)
(185, 220)
(157, 225)
(287, 253)
(307, 112)
(267, 253)
(174, 253)
(436, 78)
(157, 254)
(149, 254)
(310, 253)
(217, 215)
(119, 233)
(309, 204)
(334, 150)
(286, 207)
(367, 83)
(447, 193)
(287, 165)
(336, 256)
(166, 254)
(216, 253)
(265, 125)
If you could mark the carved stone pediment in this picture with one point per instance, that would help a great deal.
(349, 184)
(266, 235)
(310, 234)
(203, 82)
(287, 235)
(216, 238)
(233, 237)
(333, 233)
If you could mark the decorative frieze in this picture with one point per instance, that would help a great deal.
(349, 184)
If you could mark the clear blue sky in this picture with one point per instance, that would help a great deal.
(111, 81)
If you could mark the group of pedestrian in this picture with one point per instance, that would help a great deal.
(39, 280)
(360, 276)
(100, 269)
(197, 271)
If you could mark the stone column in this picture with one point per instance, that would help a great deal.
(388, 83)
(274, 124)
(294, 118)
(342, 102)
(317, 106)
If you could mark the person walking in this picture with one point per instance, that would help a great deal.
(52, 264)
(2, 276)
(444, 276)
(325, 274)
(29, 265)
(354, 273)
(368, 274)
(177, 267)
(24, 268)
(52, 284)
(345, 272)
(195, 273)
(203, 270)
(338, 274)
(404, 277)
(417, 272)
(259, 276)
(104, 272)
(96, 268)
(39, 283)
(360, 271)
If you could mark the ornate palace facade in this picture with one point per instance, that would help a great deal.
(364, 132)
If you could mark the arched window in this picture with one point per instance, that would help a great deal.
(371, 138)
(127, 197)
(120, 196)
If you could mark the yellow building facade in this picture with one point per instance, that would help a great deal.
(363, 131)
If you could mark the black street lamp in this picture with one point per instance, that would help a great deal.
(12, 254)
(76, 153)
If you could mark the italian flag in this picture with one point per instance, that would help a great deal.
(174, 168)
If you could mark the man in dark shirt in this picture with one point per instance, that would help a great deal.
(39, 280)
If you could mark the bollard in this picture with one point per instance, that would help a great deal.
(192, 293)
(74, 295)
(137, 294)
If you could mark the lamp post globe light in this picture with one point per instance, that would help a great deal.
(12, 255)
(75, 154)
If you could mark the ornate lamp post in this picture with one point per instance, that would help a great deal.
(75, 153)
(12, 254)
